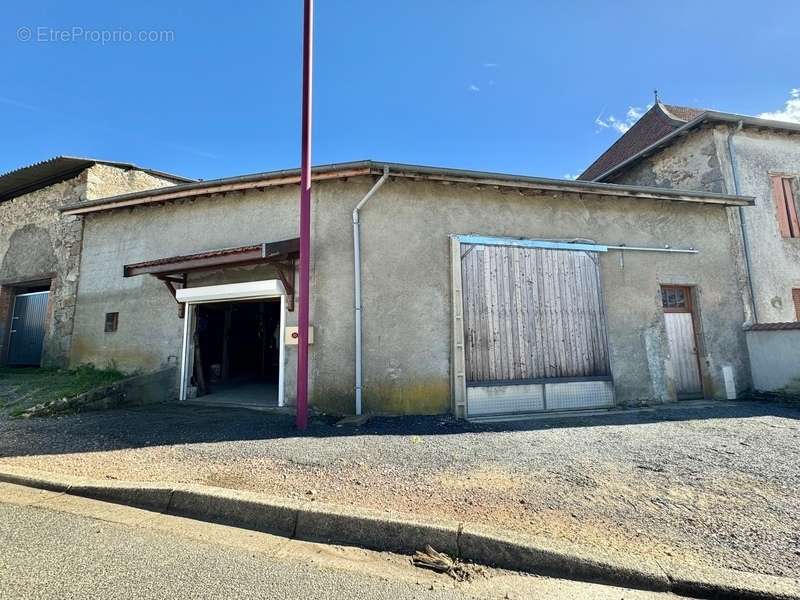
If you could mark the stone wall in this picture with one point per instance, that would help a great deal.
(39, 245)
(105, 180)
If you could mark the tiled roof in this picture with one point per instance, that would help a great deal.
(657, 122)
(684, 113)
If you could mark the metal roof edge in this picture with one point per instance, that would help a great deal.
(212, 183)
(42, 174)
(369, 167)
(127, 165)
(492, 178)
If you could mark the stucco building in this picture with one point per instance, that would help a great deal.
(481, 294)
(695, 149)
(40, 249)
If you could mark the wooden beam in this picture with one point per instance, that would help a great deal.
(170, 283)
(286, 275)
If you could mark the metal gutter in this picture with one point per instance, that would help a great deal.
(415, 172)
(217, 186)
(493, 179)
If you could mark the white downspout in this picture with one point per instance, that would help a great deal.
(357, 281)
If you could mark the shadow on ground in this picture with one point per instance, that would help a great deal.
(168, 424)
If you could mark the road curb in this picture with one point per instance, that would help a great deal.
(313, 521)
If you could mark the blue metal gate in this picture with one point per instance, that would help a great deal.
(27, 329)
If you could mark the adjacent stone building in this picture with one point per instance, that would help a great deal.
(40, 249)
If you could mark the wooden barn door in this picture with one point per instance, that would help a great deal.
(534, 330)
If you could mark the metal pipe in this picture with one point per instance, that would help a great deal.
(357, 284)
(643, 249)
(185, 353)
(745, 242)
(305, 222)
(282, 353)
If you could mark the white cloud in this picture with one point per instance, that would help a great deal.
(192, 150)
(570, 176)
(791, 109)
(489, 65)
(473, 88)
(17, 103)
(633, 114)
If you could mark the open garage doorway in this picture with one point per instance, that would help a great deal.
(237, 352)
(233, 351)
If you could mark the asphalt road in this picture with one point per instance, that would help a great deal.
(58, 546)
(704, 484)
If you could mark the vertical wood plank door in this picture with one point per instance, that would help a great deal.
(532, 314)
(677, 304)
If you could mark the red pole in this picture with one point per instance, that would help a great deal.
(305, 223)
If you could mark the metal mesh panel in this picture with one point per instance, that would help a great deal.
(504, 399)
(579, 394)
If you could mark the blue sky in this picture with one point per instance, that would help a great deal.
(514, 86)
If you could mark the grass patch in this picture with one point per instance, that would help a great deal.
(21, 388)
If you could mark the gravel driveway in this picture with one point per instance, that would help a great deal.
(715, 485)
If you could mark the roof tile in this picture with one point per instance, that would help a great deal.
(657, 122)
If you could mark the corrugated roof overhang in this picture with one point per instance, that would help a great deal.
(212, 259)
(396, 170)
(60, 168)
(175, 269)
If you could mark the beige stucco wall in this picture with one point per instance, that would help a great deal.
(775, 260)
(775, 360)
(406, 281)
(37, 243)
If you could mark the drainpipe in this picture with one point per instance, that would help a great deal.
(357, 271)
(745, 242)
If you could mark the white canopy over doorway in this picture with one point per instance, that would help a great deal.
(235, 292)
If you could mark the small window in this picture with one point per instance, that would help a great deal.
(676, 298)
(796, 300)
(785, 206)
(112, 320)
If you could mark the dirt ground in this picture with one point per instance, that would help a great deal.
(710, 485)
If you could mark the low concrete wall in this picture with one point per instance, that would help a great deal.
(775, 357)
(148, 388)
